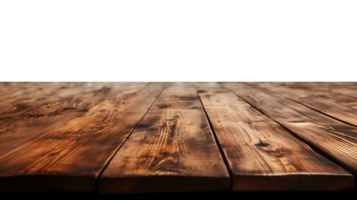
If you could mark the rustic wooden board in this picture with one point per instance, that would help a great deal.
(71, 157)
(172, 150)
(344, 88)
(28, 115)
(333, 138)
(12, 89)
(12, 93)
(348, 88)
(262, 155)
(339, 106)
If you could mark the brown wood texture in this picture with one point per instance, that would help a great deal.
(349, 88)
(339, 106)
(13, 89)
(172, 150)
(262, 155)
(71, 157)
(332, 137)
(33, 112)
(345, 88)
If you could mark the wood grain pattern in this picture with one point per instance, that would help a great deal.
(339, 106)
(336, 139)
(24, 118)
(71, 157)
(171, 150)
(345, 88)
(12, 92)
(262, 155)
(11, 89)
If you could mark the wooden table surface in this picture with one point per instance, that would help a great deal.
(131, 137)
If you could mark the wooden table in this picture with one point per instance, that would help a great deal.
(132, 138)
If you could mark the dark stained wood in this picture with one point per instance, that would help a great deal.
(24, 118)
(262, 155)
(339, 106)
(334, 138)
(71, 157)
(172, 150)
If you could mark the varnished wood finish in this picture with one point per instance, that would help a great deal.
(65, 136)
(334, 138)
(71, 157)
(339, 106)
(262, 155)
(40, 110)
(171, 150)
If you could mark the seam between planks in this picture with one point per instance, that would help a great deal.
(217, 142)
(313, 147)
(340, 120)
(118, 148)
(306, 105)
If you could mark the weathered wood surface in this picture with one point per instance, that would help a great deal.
(262, 155)
(349, 89)
(172, 150)
(339, 106)
(71, 157)
(345, 88)
(32, 112)
(63, 136)
(332, 137)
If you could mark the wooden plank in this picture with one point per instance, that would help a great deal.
(172, 150)
(23, 90)
(262, 155)
(25, 118)
(71, 157)
(339, 106)
(21, 98)
(332, 137)
(345, 88)
(348, 88)
(11, 88)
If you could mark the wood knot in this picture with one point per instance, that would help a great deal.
(262, 144)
